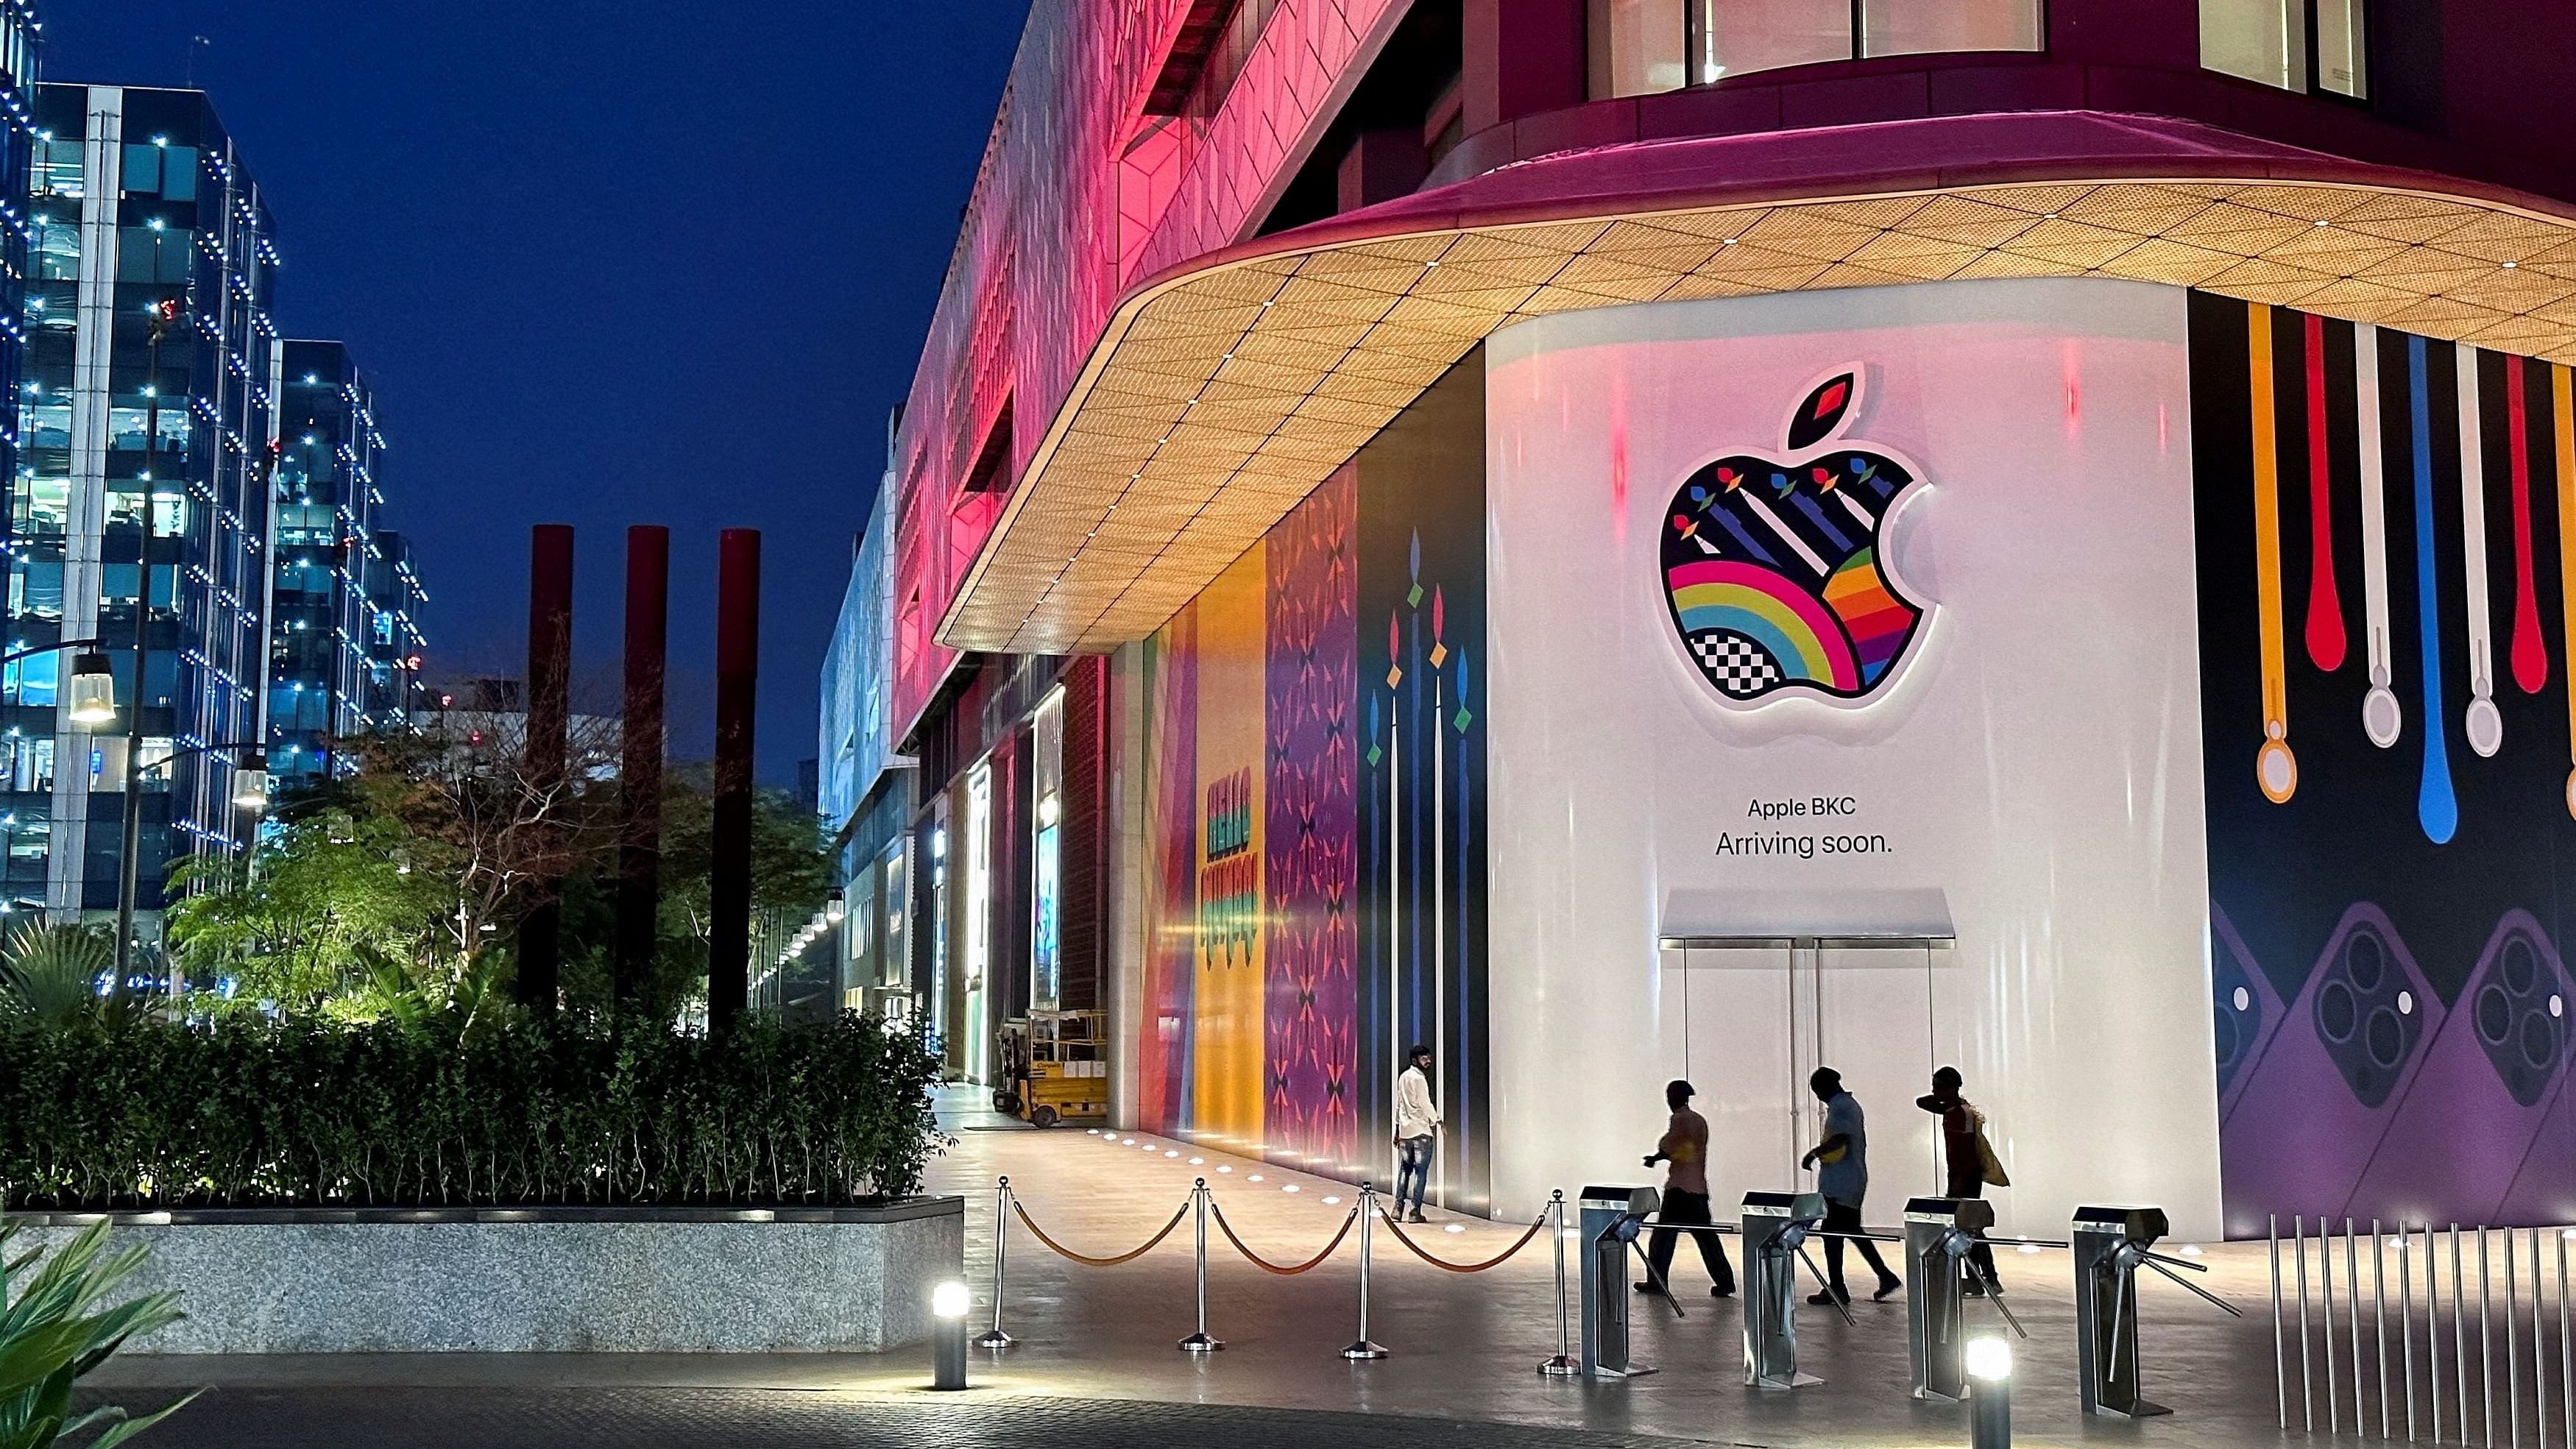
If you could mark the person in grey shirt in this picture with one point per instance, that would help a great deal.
(1843, 1177)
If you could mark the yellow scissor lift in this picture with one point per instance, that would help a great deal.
(1060, 1062)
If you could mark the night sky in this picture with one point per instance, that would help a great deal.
(641, 262)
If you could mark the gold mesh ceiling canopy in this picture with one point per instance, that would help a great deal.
(1216, 400)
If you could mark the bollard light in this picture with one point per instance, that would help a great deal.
(948, 1304)
(1989, 1363)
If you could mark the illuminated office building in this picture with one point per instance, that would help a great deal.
(137, 201)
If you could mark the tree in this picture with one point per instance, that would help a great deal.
(393, 887)
(790, 876)
(296, 924)
(397, 891)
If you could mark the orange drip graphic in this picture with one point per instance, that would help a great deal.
(2276, 770)
(2562, 400)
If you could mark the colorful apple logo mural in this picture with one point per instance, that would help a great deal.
(1773, 570)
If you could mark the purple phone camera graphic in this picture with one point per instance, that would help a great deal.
(2246, 1011)
(2311, 1112)
(2488, 1086)
(2531, 1022)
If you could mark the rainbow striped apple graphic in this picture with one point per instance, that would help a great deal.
(1774, 570)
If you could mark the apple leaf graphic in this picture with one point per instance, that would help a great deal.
(1822, 412)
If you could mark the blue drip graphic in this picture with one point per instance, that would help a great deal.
(2437, 808)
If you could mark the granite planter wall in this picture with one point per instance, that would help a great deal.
(577, 1280)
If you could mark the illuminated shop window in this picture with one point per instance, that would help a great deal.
(2317, 46)
(1914, 27)
(1640, 47)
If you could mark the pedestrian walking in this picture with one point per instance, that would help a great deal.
(1841, 1161)
(1684, 1151)
(1417, 1128)
(1968, 1163)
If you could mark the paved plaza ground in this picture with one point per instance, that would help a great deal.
(1096, 1361)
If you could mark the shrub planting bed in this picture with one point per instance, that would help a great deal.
(247, 1112)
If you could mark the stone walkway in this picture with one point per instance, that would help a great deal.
(1097, 1362)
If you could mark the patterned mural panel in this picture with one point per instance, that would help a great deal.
(1312, 1001)
(2384, 528)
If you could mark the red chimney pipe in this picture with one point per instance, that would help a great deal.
(549, 717)
(639, 855)
(737, 680)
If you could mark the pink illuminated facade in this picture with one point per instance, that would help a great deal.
(1399, 494)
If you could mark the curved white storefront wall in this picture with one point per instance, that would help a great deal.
(2005, 736)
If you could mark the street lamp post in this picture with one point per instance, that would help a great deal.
(164, 313)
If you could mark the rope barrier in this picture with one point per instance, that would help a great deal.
(1495, 1261)
(1090, 1262)
(1264, 1264)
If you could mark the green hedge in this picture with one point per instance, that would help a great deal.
(302, 1113)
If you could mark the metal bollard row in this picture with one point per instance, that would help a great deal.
(2483, 1276)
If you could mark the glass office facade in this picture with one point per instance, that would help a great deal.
(326, 502)
(136, 201)
(392, 696)
(19, 32)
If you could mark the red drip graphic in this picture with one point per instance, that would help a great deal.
(2530, 655)
(2325, 605)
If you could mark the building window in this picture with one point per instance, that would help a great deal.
(2315, 46)
(992, 467)
(1640, 47)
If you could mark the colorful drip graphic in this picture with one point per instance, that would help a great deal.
(1772, 569)
(2446, 681)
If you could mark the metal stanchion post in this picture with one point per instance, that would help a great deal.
(2379, 1305)
(2433, 1325)
(2325, 1305)
(1360, 1347)
(2566, 1352)
(2352, 1315)
(2280, 1346)
(2539, 1352)
(2459, 1338)
(2406, 1325)
(2512, 1357)
(1201, 1341)
(994, 1337)
(1564, 1365)
(2307, 1380)
(2486, 1342)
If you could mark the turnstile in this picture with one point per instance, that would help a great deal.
(1612, 1218)
(1940, 1233)
(1776, 1225)
(2111, 1244)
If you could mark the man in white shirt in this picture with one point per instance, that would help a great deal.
(1417, 1121)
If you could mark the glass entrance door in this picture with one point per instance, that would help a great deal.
(1872, 1017)
(1737, 1047)
(1749, 1019)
